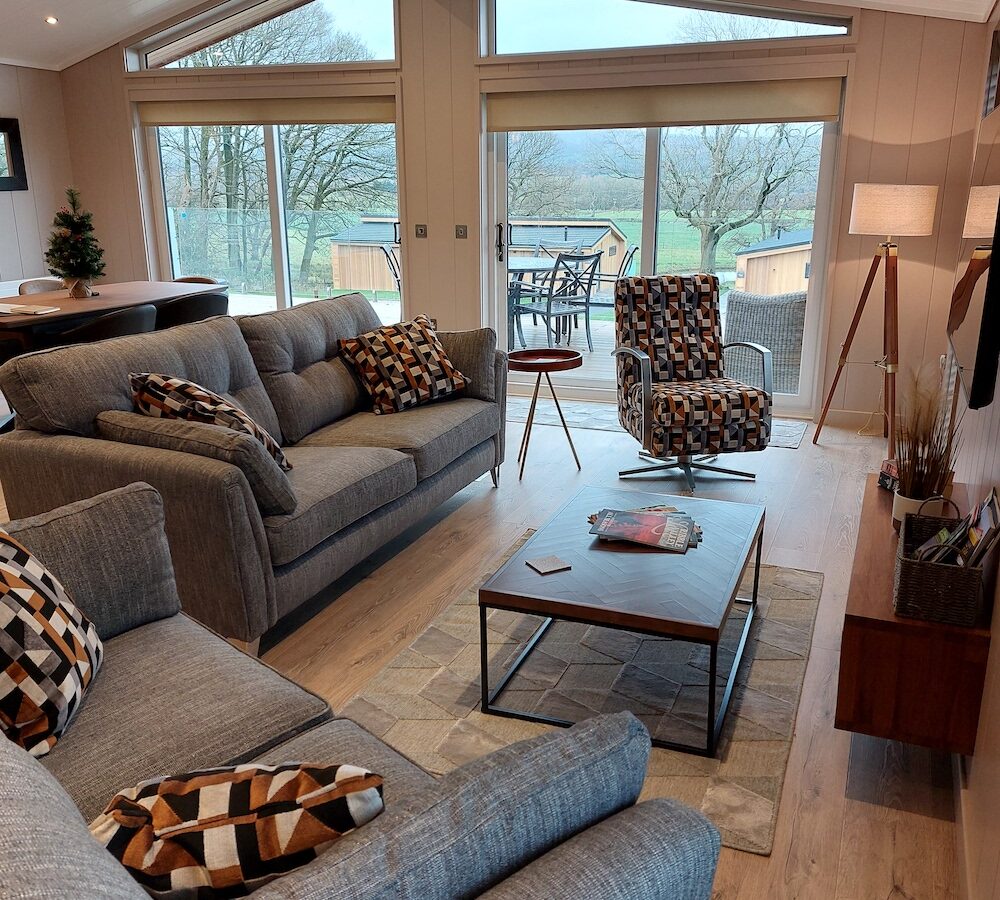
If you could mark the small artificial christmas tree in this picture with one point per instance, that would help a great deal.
(74, 255)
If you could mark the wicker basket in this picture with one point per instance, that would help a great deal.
(935, 592)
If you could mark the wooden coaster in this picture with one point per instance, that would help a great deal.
(548, 565)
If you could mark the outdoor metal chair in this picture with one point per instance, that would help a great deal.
(562, 294)
(395, 269)
(607, 298)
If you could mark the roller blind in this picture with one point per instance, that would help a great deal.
(269, 111)
(787, 100)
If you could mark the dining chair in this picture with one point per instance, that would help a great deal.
(197, 279)
(40, 286)
(395, 269)
(134, 320)
(607, 298)
(185, 310)
(563, 293)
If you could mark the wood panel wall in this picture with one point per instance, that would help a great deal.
(34, 98)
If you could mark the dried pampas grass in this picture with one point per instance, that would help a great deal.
(925, 438)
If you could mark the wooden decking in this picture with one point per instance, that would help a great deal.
(597, 365)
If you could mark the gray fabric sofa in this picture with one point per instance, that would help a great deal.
(251, 543)
(553, 817)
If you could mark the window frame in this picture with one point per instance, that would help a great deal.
(137, 54)
(823, 15)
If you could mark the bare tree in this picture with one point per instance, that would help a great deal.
(330, 171)
(707, 26)
(536, 183)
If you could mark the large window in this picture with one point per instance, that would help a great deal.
(284, 214)
(321, 31)
(547, 26)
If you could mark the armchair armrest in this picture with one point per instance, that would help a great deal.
(767, 359)
(646, 380)
(656, 849)
(217, 541)
(111, 554)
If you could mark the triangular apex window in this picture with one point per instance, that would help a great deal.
(279, 32)
(552, 26)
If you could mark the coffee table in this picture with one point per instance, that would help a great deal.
(686, 597)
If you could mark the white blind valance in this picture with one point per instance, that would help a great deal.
(269, 111)
(784, 100)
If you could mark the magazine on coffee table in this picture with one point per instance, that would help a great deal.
(696, 535)
(665, 531)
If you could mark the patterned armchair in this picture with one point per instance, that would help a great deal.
(673, 394)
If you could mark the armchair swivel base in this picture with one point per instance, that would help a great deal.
(686, 464)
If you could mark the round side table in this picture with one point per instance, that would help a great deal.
(543, 362)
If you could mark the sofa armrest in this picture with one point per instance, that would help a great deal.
(484, 821)
(268, 482)
(111, 554)
(217, 541)
(657, 850)
(500, 380)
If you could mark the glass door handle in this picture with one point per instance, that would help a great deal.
(500, 243)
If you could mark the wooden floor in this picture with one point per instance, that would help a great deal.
(860, 818)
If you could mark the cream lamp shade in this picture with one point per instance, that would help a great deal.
(981, 216)
(903, 210)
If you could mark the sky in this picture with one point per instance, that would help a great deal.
(526, 26)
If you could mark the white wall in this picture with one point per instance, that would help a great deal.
(34, 98)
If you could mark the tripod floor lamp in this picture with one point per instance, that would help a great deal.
(896, 210)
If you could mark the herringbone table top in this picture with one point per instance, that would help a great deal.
(685, 595)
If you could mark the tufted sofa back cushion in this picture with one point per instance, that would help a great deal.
(63, 390)
(296, 353)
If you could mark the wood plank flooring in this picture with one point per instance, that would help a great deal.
(860, 818)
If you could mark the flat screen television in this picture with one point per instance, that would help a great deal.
(974, 328)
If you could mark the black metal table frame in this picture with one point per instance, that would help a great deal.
(714, 723)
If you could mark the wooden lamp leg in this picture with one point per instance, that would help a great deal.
(846, 346)
(891, 341)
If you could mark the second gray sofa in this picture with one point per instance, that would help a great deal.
(250, 544)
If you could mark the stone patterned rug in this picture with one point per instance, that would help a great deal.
(785, 433)
(425, 703)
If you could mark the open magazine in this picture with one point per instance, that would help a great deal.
(969, 541)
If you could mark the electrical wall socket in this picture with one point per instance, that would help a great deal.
(420, 231)
(462, 232)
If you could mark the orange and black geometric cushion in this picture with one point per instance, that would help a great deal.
(402, 366)
(225, 832)
(49, 651)
(166, 397)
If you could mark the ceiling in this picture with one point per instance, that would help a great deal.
(88, 26)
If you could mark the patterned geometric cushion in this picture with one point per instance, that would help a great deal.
(165, 397)
(402, 366)
(225, 832)
(49, 651)
(717, 415)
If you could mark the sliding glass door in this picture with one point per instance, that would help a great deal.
(284, 214)
(739, 201)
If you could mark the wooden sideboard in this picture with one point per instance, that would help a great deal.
(904, 679)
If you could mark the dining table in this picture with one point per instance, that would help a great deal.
(109, 297)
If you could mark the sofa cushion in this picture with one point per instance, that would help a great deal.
(227, 831)
(434, 435)
(296, 352)
(169, 397)
(46, 851)
(268, 482)
(335, 486)
(174, 697)
(111, 553)
(63, 390)
(49, 651)
(403, 366)
(344, 739)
